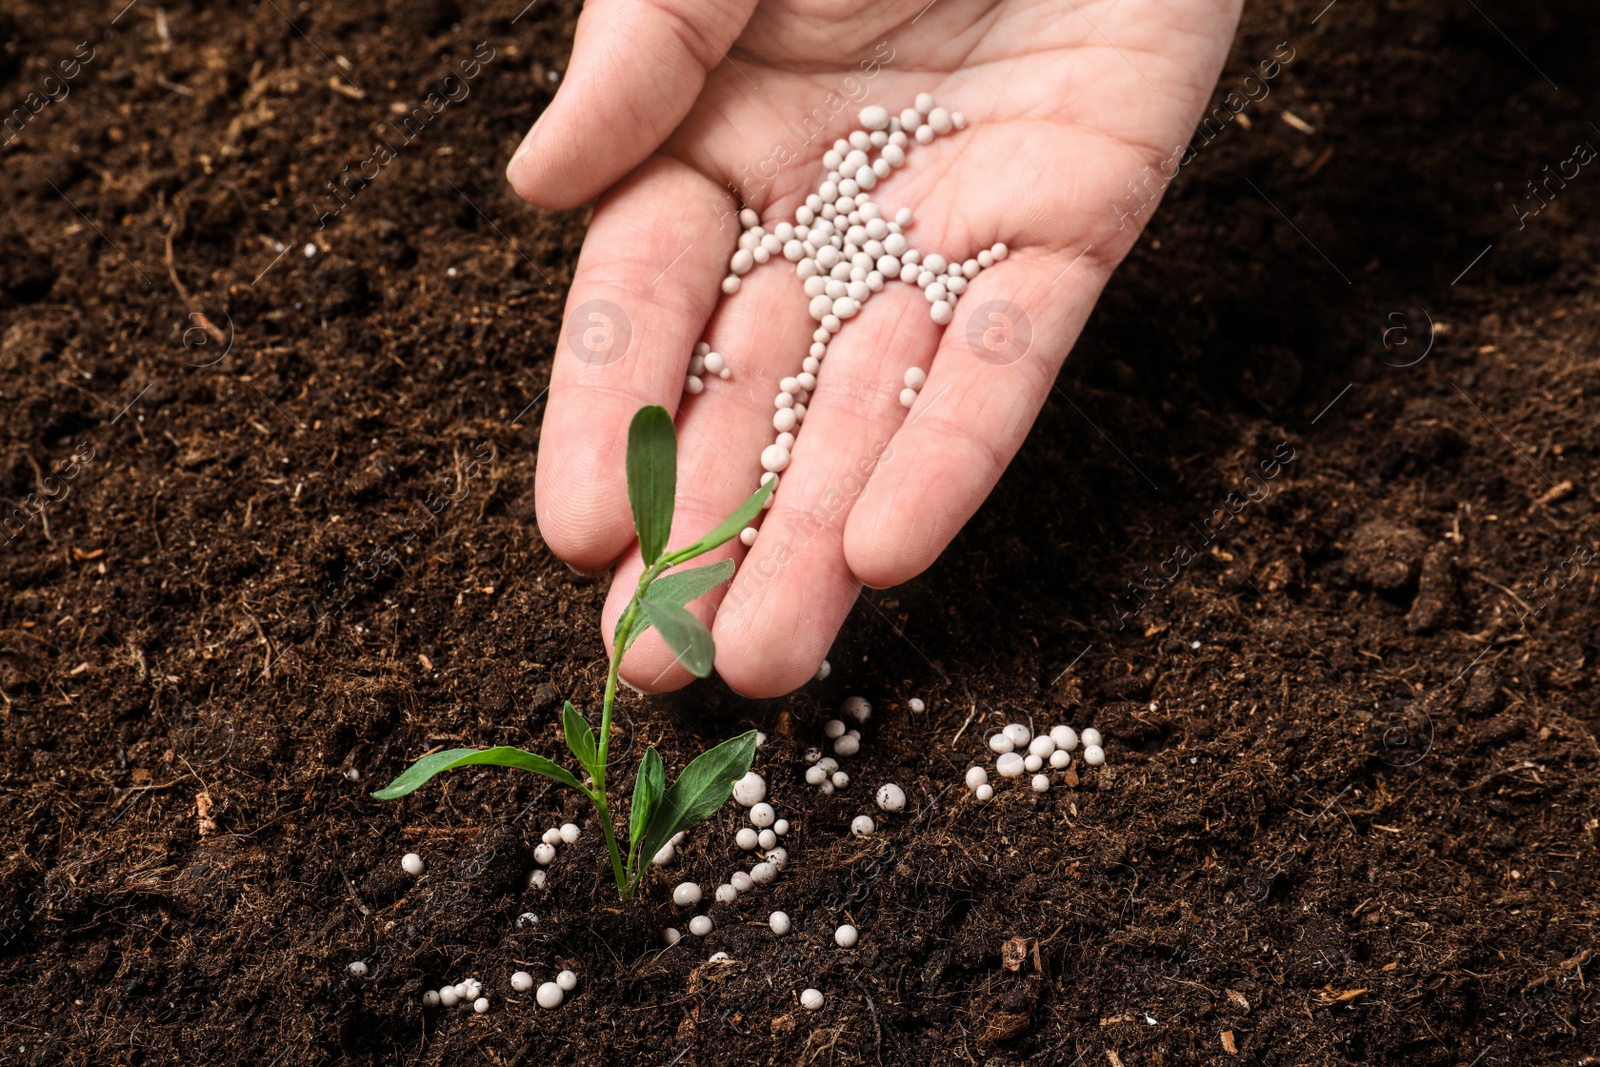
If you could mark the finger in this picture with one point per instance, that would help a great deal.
(637, 67)
(993, 370)
(796, 587)
(645, 283)
(764, 332)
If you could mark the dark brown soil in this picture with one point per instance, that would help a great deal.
(1350, 812)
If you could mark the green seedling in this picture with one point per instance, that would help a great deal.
(657, 812)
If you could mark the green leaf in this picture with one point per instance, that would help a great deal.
(647, 791)
(702, 788)
(680, 587)
(652, 478)
(676, 589)
(686, 635)
(728, 529)
(639, 624)
(428, 766)
(581, 739)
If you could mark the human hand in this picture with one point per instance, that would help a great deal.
(665, 101)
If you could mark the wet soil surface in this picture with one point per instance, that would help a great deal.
(1308, 533)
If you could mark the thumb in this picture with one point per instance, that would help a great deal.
(637, 67)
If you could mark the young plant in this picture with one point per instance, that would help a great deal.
(657, 813)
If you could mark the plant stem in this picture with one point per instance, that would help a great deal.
(624, 874)
(624, 888)
(624, 881)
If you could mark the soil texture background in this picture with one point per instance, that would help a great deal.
(268, 472)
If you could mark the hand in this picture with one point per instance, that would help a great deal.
(665, 101)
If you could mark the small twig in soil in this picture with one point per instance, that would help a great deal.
(172, 271)
(832, 1036)
(43, 512)
(133, 789)
(971, 715)
(1486, 580)
(266, 666)
(1554, 495)
(877, 1027)
(1184, 981)
(155, 528)
(1571, 966)
(1486, 779)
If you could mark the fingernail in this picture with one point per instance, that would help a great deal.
(527, 142)
(511, 164)
(591, 575)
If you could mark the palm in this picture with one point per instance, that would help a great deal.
(1061, 116)
(1067, 101)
